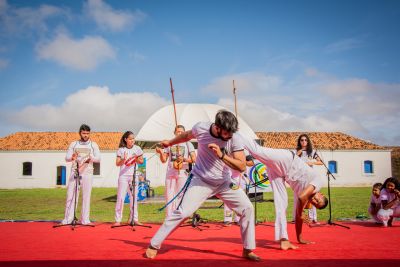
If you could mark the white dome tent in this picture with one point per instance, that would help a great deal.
(161, 124)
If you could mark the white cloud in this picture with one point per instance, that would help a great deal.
(246, 83)
(316, 102)
(96, 106)
(265, 118)
(83, 54)
(111, 19)
(363, 98)
(27, 20)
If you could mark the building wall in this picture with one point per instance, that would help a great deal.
(44, 168)
(45, 163)
(350, 167)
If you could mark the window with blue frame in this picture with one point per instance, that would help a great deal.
(368, 166)
(332, 165)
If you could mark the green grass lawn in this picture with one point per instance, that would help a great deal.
(48, 204)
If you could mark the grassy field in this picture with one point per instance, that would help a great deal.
(48, 204)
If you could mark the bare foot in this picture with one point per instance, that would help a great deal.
(151, 252)
(286, 245)
(117, 224)
(250, 255)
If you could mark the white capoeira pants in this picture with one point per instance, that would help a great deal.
(124, 185)
(173, 184)
(228, 213)
(196, 194)
(86, 186)
(280, 204)
(385, 215)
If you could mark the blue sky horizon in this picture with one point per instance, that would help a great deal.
(302, 66)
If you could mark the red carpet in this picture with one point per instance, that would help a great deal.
(38, 244)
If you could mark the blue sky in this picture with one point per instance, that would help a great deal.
(297, 65)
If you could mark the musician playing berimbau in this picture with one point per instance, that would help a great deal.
(178, 156)
(82, 153)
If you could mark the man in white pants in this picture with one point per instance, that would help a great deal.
(211, 177)
(284, 166)
(82, 153)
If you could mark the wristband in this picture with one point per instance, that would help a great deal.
(223, 155)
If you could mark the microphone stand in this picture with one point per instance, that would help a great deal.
(328, 175)
(255, 185)
(133, 191)
(75, 222)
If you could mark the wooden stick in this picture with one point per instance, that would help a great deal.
(234, 94)
(176, 119)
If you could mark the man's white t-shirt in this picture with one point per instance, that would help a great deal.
(209, 167)
(128, 167)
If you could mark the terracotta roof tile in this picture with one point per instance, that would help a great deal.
(320, 140)
(110, 140)
(56, 140)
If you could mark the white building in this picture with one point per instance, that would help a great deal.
(352, 161)
(37, 159)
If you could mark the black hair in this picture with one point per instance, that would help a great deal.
(326, 202)
(377, 185)
(249, 158)
(179, 126)
(122, 142)
(84, 127)
(309, 144)
(227, 121)
(391, 180)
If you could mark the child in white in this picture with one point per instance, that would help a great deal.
(128, 156)
(306, 152)
(375, 202)
(83, 153)
(390, 197)
(179, 156)
(284, 166)
(210, 177)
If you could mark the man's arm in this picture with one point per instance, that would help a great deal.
(301, 203)
(96, 153)
(71, 156)
(192, 157)
(236, 161)
(184, 137)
